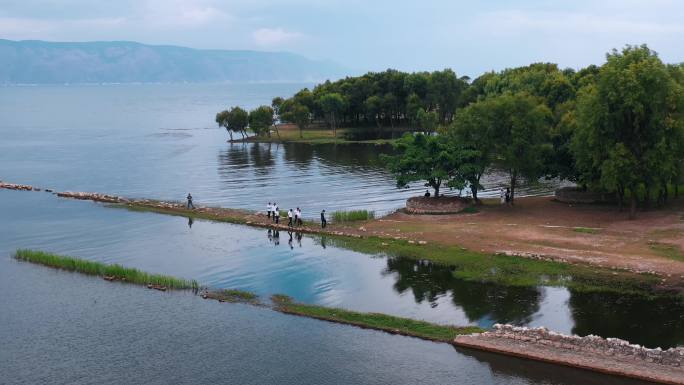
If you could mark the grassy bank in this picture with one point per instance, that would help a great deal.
(469, 265)
(312, 136)
(507, 270)
(377, 321)
(114, 272)
(353, 215)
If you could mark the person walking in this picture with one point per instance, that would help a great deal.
(298, 217)
(269, 208)
(190, 205)
(508, 196)
(276, 213)
(502, 196)
(289, 219)
(323, 221)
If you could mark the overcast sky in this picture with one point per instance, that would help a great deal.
(469, 36)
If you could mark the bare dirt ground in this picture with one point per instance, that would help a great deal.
(594, 234)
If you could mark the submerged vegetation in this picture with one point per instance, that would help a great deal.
(352, 215)
(384, 322)
(114, 272)
(232, 295)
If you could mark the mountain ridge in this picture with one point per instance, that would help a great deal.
(43, 62)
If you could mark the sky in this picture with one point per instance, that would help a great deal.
(470, 37)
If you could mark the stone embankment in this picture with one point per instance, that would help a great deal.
(606, 355)
(13, 186)
(176, 208)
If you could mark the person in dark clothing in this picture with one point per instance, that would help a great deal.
(427, 194)
(323, 221)
(508, 196)
(190, 205)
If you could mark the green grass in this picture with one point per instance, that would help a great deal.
(119, 272)
(668, 251)
(352, 215)
(232, 295)
(377, 321)
(508, 270)
(585, 230)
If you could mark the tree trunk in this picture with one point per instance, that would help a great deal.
(514, 176)
(301, 132)
(620, 197)
(277, 131)
(230, 133)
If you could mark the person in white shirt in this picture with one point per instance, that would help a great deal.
(289, 218)
(503, 196)
(298, 217)
(269, 209)
(276, 213)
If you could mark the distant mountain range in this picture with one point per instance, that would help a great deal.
(41, 62)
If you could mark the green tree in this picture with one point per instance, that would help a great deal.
(473, 133)
(222, 121)
(629, 124)
(521, 123)
(300, 115)
(428, 120)
(260, 120)
(373, 107)
(276, 105)
(332, 105)
(234, 120)
(424, 158)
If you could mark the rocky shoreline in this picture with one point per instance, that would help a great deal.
(606, 355)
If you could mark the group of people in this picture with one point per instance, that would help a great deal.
(505, 196)
(294, 217)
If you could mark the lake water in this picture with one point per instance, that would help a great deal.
(63, 328)
(161, 141)
(158, 141)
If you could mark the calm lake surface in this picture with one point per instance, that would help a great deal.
(158, 141)
(161, 141)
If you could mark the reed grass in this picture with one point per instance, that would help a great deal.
(115, 271)
(352, 215)
(376, 321)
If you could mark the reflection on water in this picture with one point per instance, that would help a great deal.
(482, 303)
(67, 328)
(314, 270)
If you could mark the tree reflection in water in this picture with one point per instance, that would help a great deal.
(483, 303)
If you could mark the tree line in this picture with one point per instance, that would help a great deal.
(617, 127)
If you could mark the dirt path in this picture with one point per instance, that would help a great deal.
(540, 226)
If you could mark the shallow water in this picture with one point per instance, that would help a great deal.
(311, 269)
(65, 328)
(161, 141)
